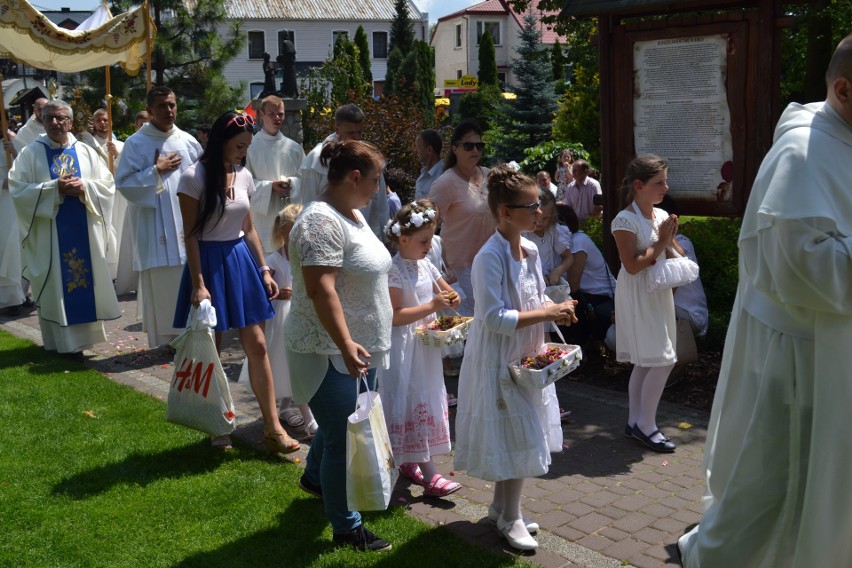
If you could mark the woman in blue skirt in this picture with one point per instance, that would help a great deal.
(224, 260)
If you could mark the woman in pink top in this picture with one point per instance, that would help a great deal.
(461, 195)
(226, 267)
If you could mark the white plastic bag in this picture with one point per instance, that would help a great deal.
(199, 396)
(370, 469)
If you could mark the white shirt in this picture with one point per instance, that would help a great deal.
(314, 177)
(596, 277)
(322, 236)
(690, 299)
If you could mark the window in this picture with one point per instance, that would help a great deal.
(337, 34)
(501, 78)
(458, 73)
(284, 35)
(380, 45)
(492, 27)
(458, 36)
(255, 89)
(256, 45)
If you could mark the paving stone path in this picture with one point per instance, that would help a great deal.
(605, 502)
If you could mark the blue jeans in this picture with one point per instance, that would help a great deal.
(326, 461)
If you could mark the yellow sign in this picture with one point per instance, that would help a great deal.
(465, 82)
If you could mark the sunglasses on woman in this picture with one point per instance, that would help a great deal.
(241, 120)
(469, 146)
(532, 207)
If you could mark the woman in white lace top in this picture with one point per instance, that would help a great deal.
(645, 321)
(339, 323)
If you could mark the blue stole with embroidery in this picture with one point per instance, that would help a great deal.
(72, 232)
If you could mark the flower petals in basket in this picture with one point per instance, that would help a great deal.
(443, 331)
(551, 363)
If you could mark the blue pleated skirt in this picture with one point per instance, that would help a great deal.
(236, 288)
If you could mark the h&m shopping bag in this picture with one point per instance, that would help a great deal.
(370, 469)
(199, 396)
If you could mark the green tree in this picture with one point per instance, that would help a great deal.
(487, 61)
(578, 113)
(395, 61)
(402, 28)
(364, 53)
(189, 55)
(528, 120)
(557, 61)
(484, 105)
(346, 56)
(425, 78)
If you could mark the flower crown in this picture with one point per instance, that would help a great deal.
(416, 220)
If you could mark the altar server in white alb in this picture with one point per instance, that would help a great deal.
(148, 175)
(11, 290)
(61, 192)
(32, 128)
(778, 456)
(273, 160)
(109, 150)
(348, 125)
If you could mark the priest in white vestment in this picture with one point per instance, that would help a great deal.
(11, 291)
(109, 150)
(147, 176)
(61, 190)
(348, 125)
(273, 160)
(32, 128)
(778, 456)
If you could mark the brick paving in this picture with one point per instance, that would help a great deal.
(605, 501)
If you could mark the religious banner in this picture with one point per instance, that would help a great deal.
(27, 36)
(680, 110)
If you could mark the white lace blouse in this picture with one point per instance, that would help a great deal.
(323, 237)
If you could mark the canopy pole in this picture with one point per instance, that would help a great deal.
(109, 118)
(148, 47)
(4, 124)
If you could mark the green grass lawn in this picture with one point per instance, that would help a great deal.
(91, 474)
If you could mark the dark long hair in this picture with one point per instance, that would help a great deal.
(213, 159)
(464, 127)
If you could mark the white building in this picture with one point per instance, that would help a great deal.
(456, 39)
(313, 27)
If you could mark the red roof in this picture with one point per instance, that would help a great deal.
(502, 8)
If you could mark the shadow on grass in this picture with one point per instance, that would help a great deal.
(298, 541)
(142, 469)
(294, 542)
(36, 360)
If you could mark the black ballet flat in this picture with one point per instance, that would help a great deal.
(628, 431)
(663, 446)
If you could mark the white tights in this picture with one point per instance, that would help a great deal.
(644, 390)
(507, 502)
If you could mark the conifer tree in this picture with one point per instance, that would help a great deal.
(528, 120)
(557, 61)
(364, 53)
(487, 60)
(402, 28)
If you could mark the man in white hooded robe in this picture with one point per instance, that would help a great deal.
(778, 455)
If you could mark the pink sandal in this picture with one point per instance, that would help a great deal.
(412, 472)
(441, 487)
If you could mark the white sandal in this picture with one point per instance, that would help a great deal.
(293, 417)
